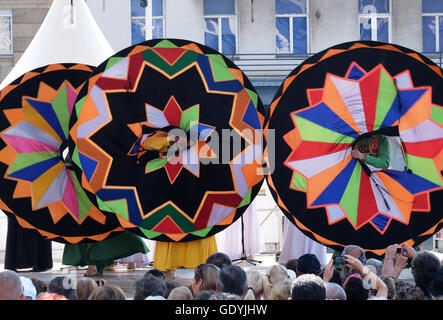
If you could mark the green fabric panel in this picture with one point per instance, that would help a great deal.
(189, 116)
(61, 109)
(24, 160)
(75, 158)
(437, 114)
(253, 96)
(246, 200)
(349, 200)
(387, 92)
(112, 61)
(119, 207)
(185, 60)
(79, 105)
(203, 232)
(84, 204)
(155, 164)
(299, 181)
(424, 168)
(176, 216)
(150, 234)
(311, 131)
(219, 68)
(165, 44)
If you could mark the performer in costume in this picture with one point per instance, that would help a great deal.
(102, 254)
(373, 150)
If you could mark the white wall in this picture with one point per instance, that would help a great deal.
(257, 36)
(114, 19)
(185, 20)
(407, 24)
(332, 22)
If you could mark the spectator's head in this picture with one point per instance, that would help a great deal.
(225, 296)
(39, 285)
(50, 296)
(390, 284)
(205, 295)
(354, 288)
(407, 291)
(308, 263)
(205, 278)
(62, 286)
(180, 293)
(232, 279)
(356, 252)
(282, 290)
(334, 291)
(219, 259)
(107, 292)
(292, 265)
(276, 274)
(436, 285)
(156, 273)
(85, 287)
(308, 287)
(377, 264)
(424, 266)
(149, 286)
(10, 286)
(170, 285)
(255, 283)
(29, 290)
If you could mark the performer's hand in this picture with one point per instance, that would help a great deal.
(358, 155)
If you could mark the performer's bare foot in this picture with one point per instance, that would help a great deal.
(110, 268)
(92, 272)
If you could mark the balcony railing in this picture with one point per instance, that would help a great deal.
(272, 68)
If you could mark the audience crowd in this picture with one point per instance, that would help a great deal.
(347, 276)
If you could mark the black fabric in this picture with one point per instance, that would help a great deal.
(26, 249)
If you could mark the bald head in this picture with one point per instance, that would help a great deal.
(10, 286)
(334, 291)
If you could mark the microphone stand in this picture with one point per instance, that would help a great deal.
(243, 256)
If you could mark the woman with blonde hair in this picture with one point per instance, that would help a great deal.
(255, 285)
(276, 274)
(281, 290)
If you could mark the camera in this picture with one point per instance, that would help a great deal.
(399, 251)
(339, 260)
(143, 3)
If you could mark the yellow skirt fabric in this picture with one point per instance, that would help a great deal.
(173, 255)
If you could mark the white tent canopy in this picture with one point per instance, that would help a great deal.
(68, 34)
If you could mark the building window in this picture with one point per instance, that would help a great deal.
(6, 32)
(291, 25)
(138, 21)
(221, 25)
(375, 20)
(432, 25)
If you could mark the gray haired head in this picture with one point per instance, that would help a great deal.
(10, 286)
